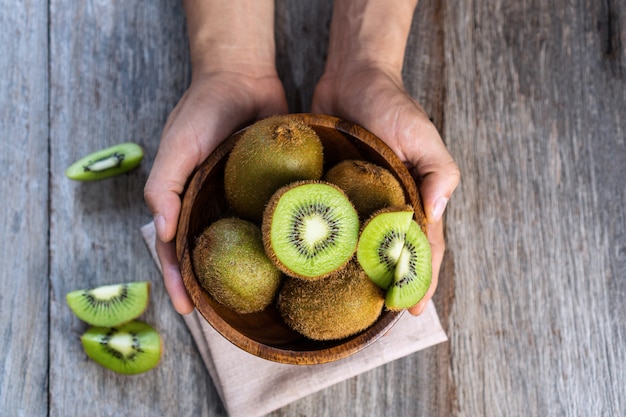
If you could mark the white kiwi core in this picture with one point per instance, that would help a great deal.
(123, 343)
(315, 230)
(107, 292)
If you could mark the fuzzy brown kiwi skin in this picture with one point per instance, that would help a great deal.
(370, 187)
(231, 250)
(335, 307)
(266, 226)
(271, 153)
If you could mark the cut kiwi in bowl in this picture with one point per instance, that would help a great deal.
(265, 333)
(310, 229)
(395, 253)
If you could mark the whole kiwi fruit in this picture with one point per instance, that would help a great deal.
(271, 153)
(231, 265)
(369, 186)
(337, 306)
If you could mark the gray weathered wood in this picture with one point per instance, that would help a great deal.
(534, 114)
(117, 69)
(24, 218)
(530, 98)
(419, 384)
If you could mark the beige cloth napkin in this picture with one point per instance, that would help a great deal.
(251, 387)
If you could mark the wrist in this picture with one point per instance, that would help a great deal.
(231, 36)
(369, 34)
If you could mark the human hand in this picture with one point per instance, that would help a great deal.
(374, 97)
(362, 83)
(214, 106)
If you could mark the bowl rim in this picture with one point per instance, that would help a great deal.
(199, 297)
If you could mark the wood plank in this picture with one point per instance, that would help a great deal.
(535, 118)
(24, 225)
(117, 69)
(417, 385)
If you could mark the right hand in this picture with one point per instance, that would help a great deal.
(214, 106)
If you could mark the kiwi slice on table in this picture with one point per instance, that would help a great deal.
(310, 229)
(395, 253)
(231, 265)
(271, 153)
(106, 163)
(110, 305)
(335, 307)
(131, 348)
(369, 186)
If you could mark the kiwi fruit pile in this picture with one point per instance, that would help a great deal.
(116, 339)
(330, 249)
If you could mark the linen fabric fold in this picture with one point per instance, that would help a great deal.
(252, 387)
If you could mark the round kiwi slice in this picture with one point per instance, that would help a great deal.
(271, 153)
(340, 305)
(131, 348)
(231, 265)
(370, 187)
(395, 253)
(310, 229)
(110, 305)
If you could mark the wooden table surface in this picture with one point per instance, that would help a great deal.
(530, 97)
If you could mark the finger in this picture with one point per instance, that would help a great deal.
(172, 166)
(438, 246)
(188, 138)
(172, 279)
(437, 173)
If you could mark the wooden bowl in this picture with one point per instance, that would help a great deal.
(264, 334)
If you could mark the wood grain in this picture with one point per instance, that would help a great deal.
(24, 218)
(530, 99)
(117, 69)
(535, 117)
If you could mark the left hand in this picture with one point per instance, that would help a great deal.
(374, 97)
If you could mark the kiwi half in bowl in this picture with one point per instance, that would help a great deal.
(395, 253)
(310, 229)
(265, 333)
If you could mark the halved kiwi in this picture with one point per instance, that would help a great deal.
(271, 153)
(131, 348)
(110, 305)
(310, 229)
(395, 253)
(369, 186)
(231, 265)
(340, 305)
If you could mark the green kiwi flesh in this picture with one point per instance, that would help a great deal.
(106, 163)
(310, 229)
(131, 348)
(271, 153)
(396, 255)
(369, 186)
(413, 272)
(338, 306)
(110, 305)
(231, 265)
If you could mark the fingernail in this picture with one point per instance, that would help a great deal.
(439, 207)
(159, 224)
